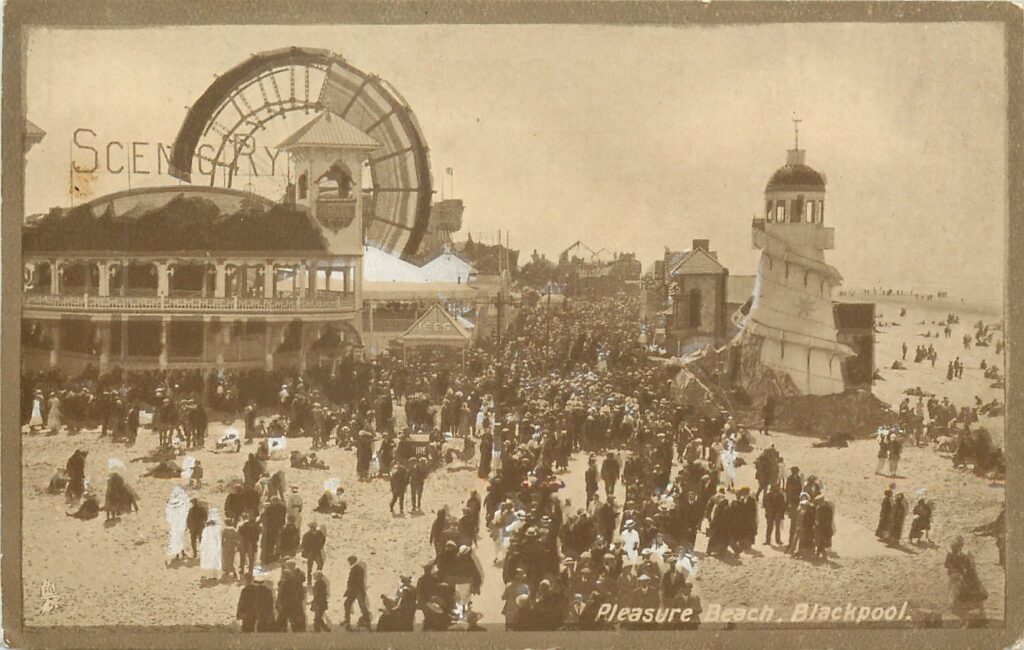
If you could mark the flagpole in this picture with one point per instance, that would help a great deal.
(71, 175)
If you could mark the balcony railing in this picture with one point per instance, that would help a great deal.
(321, 301)
(336, 213)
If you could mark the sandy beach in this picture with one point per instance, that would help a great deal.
(105, 575)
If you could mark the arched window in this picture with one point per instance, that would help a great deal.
(807, 275)
(782, 349)
(303, 186)
(694, 305)
(336, 182)
(780, 211)
(821, 212)
(787, 270)
(768, 213)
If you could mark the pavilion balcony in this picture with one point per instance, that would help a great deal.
(318, 302)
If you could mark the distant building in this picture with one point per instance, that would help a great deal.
(687, 295)
(449, 266)
(602, 273)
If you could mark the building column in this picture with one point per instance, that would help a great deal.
(206, 338)
(270, 333)
(242, 281)
(268, 280)
(164, 324)
(163, 279)
(124, 339)
(55, 331)
(204, 291)
(55, 266)
(104, 332)
(357, 283)
(225, 336)
(219, 287)
(303, 348)
(104, 288)
(313, 275)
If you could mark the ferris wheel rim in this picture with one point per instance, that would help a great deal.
(219, 94)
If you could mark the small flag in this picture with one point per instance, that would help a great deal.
(449, 171)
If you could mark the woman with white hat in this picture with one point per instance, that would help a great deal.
(210, 555)
(176, 513)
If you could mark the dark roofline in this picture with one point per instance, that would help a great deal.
(204, 254)
(186, 189)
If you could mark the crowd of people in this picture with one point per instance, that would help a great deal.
(575, 380)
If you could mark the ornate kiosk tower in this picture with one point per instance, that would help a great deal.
(328, 155)
(790, 328)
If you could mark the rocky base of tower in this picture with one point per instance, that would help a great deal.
(854, 413)
(733, 377)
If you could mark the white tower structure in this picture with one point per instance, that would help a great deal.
(791, 323)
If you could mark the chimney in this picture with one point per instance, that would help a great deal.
(702, 245)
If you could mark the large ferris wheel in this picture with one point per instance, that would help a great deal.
(263, 98)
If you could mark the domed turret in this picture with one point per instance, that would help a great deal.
(795, 176)
(795, 193)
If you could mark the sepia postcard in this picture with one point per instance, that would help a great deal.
(574, 324)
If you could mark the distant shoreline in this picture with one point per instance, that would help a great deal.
(951, 303)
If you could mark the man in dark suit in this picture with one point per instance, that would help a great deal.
(417, 478)
(399, 484)
(591, 476)
(248, 538)
(774, 511)
(255, 606)
(355, 591)
(313, 549)
(291, 613)
(196, 521)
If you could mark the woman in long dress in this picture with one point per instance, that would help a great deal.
(729, 464)
(36, 421)
(464, 421)
(53, 420)
(177, 513)
(210, 545)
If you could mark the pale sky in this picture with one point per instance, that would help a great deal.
(631, 139)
